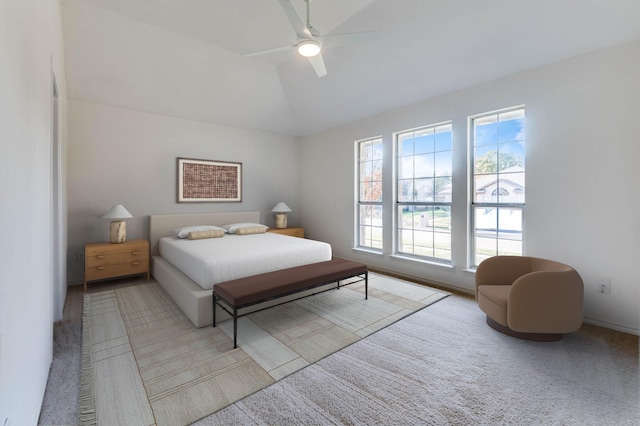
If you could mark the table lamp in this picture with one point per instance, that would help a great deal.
(281, 210)
(117, 227)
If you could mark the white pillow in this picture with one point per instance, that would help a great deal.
(185, 230)
(232, 228)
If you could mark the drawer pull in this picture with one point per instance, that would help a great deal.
(135, 253)
(100, 268)
(100, 256)
(135, 263)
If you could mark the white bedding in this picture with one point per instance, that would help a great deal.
(214, 260)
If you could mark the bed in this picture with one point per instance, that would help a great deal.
(188, 276)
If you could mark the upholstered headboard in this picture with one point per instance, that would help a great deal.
(162, 225)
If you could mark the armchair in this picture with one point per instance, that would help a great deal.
(530, 298)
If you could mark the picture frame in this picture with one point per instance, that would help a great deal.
(208, 181)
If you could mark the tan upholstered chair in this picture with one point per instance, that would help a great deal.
(529, 297)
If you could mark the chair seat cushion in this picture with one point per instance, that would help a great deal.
(492, 299)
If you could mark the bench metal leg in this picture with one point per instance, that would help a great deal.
(366, 285)
(214, 309)
(235, 328)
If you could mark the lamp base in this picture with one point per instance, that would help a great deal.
(117, 232)
(281, 220)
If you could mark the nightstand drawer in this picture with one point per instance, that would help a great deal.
(105, 249)
(110, 270)
(102, 258)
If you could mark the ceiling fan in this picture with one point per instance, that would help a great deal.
(310, 42)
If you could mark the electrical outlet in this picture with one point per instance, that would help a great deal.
(604, 285)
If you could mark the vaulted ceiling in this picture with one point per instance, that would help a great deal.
(185, 57)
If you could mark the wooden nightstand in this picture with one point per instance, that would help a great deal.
(292, 232)
(106, 260)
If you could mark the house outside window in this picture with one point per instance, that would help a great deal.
(424, 189)
(369, 184)
(497, 202)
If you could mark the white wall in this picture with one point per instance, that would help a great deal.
(121, 156)
(582, 175)
(30, 50)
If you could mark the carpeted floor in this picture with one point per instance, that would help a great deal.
(60, 405)
(137, 339)
(442, 365)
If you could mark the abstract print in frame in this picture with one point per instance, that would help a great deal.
(205, 181)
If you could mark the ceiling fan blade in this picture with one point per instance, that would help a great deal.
(267, 51)
(296, 20)
(318, 65)
(348, 38)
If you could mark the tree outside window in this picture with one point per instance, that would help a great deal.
(370, 162)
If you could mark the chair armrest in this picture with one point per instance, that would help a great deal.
(546, 301)
(501, 270)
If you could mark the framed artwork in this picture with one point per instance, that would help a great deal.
(206, 181)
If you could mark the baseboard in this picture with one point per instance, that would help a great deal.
(612, 326)
(428, 283)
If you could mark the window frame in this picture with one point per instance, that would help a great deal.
(497, 205)
(432, 205)
(360, 203)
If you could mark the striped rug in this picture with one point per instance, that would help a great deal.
(144, 363)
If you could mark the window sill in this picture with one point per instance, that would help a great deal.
(424, 262)
(367, 251)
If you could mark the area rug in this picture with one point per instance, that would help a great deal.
(144, 363)
(444, 366)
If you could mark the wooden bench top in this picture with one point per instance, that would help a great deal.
(256, 288)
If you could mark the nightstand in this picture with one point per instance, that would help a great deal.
(106, 260)
(292, 232)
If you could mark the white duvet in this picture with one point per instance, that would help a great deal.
(214, 260)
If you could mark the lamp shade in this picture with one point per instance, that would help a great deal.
(281, 208)
(117, 212)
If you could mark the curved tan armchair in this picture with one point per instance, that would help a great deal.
(529, 297)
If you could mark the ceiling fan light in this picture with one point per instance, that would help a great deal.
(308, 48)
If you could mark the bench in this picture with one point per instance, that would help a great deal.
(248, 291)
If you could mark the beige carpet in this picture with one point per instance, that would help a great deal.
(445, 366)
(144, 363)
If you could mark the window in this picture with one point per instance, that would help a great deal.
(423, 179)
(369, 194)
(498, 195)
